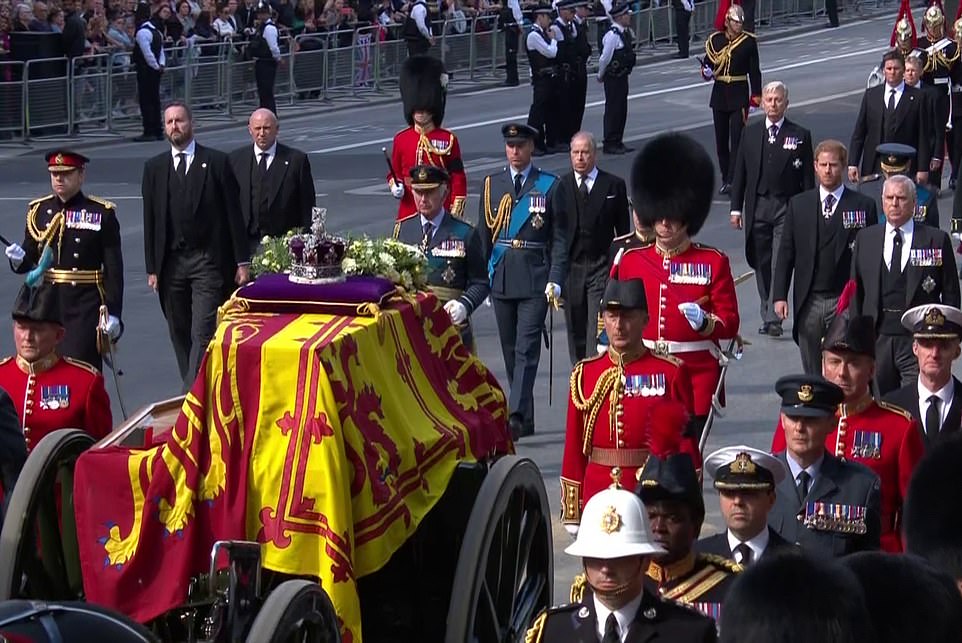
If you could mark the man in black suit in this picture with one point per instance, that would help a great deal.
(896, 267)
(828, 506)
(597, 206)
(745, 479)
(890, 113)
(773, 164)
(13, 447)
(816, 247)
(936, 330)
(276, 185)
(195, 246)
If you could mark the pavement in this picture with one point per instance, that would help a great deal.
(824, 69)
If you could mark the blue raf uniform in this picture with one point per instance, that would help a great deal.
(458, 271)
(896, 158)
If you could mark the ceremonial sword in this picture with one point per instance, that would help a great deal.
(109, 357)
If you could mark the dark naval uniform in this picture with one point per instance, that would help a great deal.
(577, 622)
(457, 264)
(525, 244)
(698, 580)
(88, 267)
(626, 242)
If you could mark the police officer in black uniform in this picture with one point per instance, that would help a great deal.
(511, 21)
(149, 62)
(265, 51)
(73, 240)
(567, 61)
(417, 29)
(542, 51)
(582, 54)
(616, 62)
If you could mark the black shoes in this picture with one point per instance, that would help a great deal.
(772, 329)
(617, 149)
(518, 429)
(726, 188)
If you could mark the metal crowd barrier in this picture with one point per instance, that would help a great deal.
(93, 94)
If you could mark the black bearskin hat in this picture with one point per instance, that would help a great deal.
(673, 178)
(423, 87)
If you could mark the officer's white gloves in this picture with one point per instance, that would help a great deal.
(572, 529)
(397, 190)
(15, 254)
(694, 314)
(956, 237)
(457, 311)
(112, 328)
(601, 349)
(552, 291)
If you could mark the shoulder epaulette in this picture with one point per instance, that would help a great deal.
(103, 202)
(36, 201)
(895, 409)
(533, 635)
(82, 364)
(635, 249)
(546, 173)
(578, 585)
(721, 562)
(6, 359)
(397, 224)
(702, 246)
(671, 359)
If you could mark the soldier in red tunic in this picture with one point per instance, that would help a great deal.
(50, 392)
(620, 403)
(424, 141)
(689, 285)
(881, 436)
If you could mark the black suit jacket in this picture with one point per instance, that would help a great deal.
(911, 128)
(793, 169)
(290, 195)
(13, 446)
(605, 216)
(907, 398)
(867, 266)
(718, 545)
(215, 206)
(797, 252)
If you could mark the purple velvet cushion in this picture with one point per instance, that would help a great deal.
(276, 293)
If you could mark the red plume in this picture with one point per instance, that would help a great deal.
(614, 264)
(723, 6)
(958, 14)
(905, 11)
(666, 425)
(845, 298)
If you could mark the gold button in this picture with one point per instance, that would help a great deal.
(621, 443)
(27, 411)
(29, 402)
(76, 255)
(26, 431)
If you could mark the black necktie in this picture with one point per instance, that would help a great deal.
(829, 204)
(772, 133)
(583, 189)
(897, 251)
(262, 166)
(612, 633)
(518, 181)
(933, 418)
(804, 479)
(744, 554)
(891, 104)
(426, 239)
(182, 166)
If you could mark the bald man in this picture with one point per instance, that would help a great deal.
(276, 186)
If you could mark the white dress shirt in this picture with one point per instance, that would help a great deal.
(899, 90)
(946, 394)
(624, 616)
(813, 469)
(588, 178)
(144, 38)
(756, 544)
(907, 228)
(524, 174)
(536, 41)
(271, 153)
(611, 43)
(419, 13)
(435, 223)
(778, 124)
(189, 151)
(837, 193)
(515, 7)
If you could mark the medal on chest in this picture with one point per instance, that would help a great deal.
(537, 206)
(449, 248)
(867, 444)
(645, 385)
(929, 257)
(853, 219)
(689, 273)
(56, 397)
(825, 516)
(82, 219)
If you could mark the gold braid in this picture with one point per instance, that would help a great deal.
(496, 222)
(722, 59)
(45, 236)
(425, 145)
(608, 384)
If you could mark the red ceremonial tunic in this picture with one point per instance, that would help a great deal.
(693, 273)
(56, 393)
(439, 148)
(609, 415)
(887, 440)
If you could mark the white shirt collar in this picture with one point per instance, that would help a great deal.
(524, 173)
(837, 193)
(898, 89)
(189, 151)
(271, 151)
(624, 616)
(435, 223)
(907, 228)
(591, 176)
(757, 544)
(812, 469)
(946, 394)
(778, 123)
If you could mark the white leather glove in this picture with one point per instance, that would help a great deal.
(457, 310)
(601, 349)
(15, 254)
(397, 190)
(112, 328)
(956, 237)
(552, 291)
(572, 529)
(694, 314)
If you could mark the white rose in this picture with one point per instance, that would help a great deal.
(386, 259)
(349, 266)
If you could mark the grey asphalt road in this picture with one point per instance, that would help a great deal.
(825, 71)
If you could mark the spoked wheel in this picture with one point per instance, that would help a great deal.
(39, 556)
(505, 566)
(297, 610)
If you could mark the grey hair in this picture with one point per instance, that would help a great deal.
(588, 136)
(904, 180)
(776, 86)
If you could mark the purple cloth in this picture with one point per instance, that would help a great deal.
(276, 293)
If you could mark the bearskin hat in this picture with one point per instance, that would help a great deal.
(423, 87)
(673, 178)
(932, 518)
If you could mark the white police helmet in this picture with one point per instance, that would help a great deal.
(614, 524)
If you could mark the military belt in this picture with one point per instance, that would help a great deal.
(942, 81)
(519, 244)
(731, 79)
(74, 277)
(619, 457)
(667, 347)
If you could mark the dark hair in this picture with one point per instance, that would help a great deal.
(180, 103)
(932, 517)
(908, 598)
(796, 598)
(893, 54)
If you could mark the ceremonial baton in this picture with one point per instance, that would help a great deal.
(4, 241)
(733, 351)
(390, 167)
(110, 358)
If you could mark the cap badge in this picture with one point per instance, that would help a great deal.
(743, 462)
(650, 613)
(512, 131)
(934, 317)
(610, 520)
(422, 174)
(805, 393)
(584, 612)
(58, 159)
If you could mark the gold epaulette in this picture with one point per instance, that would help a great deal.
(700, 582)
(895, 409)
(671, 359)
(722, 562)
(577, 592)
(533, 635)
(103, 202)
(703, 246)
(43, 198)
(457, 206)
(82, 364)
(397, 224)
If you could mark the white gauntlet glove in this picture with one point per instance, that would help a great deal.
(112, 328)
(552, 291)
(457, 310)
(397, 190)
(15, 254)
(694, 314)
